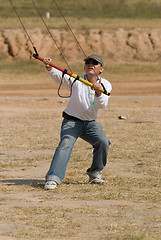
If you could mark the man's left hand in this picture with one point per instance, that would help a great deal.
(96, 87)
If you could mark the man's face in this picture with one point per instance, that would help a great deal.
(92, 67)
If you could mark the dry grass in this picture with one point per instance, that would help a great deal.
(126, 207)
(133, 78)
(84, 23)
(104, 8)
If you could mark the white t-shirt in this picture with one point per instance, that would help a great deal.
(83, 103)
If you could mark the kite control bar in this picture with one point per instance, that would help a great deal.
(69, 73)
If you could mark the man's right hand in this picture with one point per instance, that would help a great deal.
(46, 61)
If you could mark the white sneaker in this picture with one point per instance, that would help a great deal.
(50, 185)
(95, 177)
(96, 180)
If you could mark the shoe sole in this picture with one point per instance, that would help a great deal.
(94, 181)
(47, 187)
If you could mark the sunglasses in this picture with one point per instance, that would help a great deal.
(91, 61)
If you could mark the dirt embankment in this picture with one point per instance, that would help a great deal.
(141, 44)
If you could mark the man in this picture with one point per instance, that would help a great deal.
(79, 121)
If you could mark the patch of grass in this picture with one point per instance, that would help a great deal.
(19, 67)
(79, 9)
(134, 68)
(118, 71)
(82, 24)
(63, 222)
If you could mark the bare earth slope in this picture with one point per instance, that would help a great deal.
(137, 43)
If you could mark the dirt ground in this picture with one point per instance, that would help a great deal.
(127, 206)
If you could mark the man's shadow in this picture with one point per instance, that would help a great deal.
(36, 183)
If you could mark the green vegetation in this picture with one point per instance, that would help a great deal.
(75, 23)
(80, 9)
(35, 67)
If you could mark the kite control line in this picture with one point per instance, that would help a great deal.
(51, 34)
(36, 55)
(23, 27)
(69, 28)
(70, 74)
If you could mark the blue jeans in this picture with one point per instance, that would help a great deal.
(90, 131)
